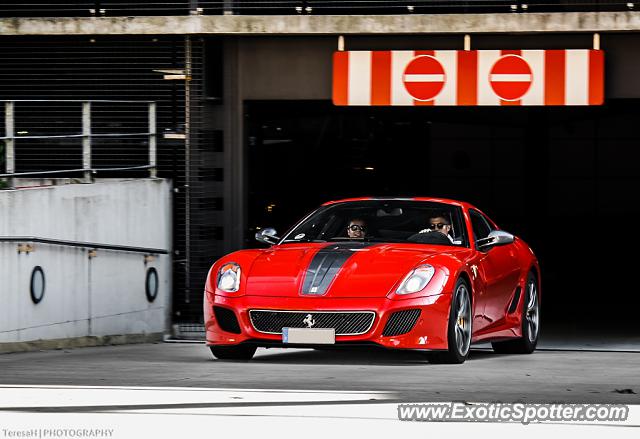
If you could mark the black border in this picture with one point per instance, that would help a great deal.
(35, 299)
(151, 297)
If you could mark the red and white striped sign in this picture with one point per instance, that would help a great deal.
(473, 77)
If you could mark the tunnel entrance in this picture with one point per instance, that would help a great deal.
(562, 178)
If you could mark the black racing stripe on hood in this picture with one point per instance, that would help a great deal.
(325, 266)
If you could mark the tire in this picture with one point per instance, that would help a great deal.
(458, 327)
(243, 352)
(530, 323)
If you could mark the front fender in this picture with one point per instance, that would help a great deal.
(244, 258)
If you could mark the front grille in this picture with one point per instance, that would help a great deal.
(401, 322)
(344, 322)
(226, 320)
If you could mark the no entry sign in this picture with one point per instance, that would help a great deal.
(510, 77)
(424, 78)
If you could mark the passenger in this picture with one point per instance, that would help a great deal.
(357, 228)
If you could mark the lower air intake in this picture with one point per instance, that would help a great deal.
(401, 322)
(226, 319)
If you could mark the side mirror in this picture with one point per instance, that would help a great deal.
(496, 237)
(268, 236)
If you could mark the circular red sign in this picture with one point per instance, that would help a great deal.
(510, 77)
(424, 78)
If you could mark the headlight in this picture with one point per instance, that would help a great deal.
(229, 277)
(416, 280)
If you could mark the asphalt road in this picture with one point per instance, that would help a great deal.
(545, 376)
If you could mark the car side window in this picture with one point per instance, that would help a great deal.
(458, 231)
(481, 228)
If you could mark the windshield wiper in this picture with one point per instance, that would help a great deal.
(379, 239)
(304, 240)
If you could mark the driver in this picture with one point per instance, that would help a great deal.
(439, 223)
(357, 228)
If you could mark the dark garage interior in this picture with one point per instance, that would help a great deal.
(563, 179)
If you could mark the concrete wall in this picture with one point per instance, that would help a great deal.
(85, 296)
(300, 67)
(327, 24)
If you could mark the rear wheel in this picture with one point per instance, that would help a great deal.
(240, 352)
(530, 323)
(458, 327)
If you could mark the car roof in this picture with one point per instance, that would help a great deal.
(432, 199)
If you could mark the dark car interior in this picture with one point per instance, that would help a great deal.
(384, 221)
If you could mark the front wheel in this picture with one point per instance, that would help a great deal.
(242, 352)
(458, 327)
(530, 323)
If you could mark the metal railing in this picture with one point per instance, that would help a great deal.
(118, 8)
(12, 139)
(84, 245)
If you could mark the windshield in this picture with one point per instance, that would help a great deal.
(383, 221)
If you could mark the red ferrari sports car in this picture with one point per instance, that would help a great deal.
(404, 273)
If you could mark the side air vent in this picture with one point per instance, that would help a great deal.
(516, 299)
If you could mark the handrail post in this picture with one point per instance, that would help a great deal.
(227, 7)
(86, 141)
(9, 142)
(194, 8)
(153, 147)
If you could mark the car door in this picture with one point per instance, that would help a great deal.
(500, 269)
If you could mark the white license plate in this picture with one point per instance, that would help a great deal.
(309, 335)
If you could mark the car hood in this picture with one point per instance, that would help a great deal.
(351, 269)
